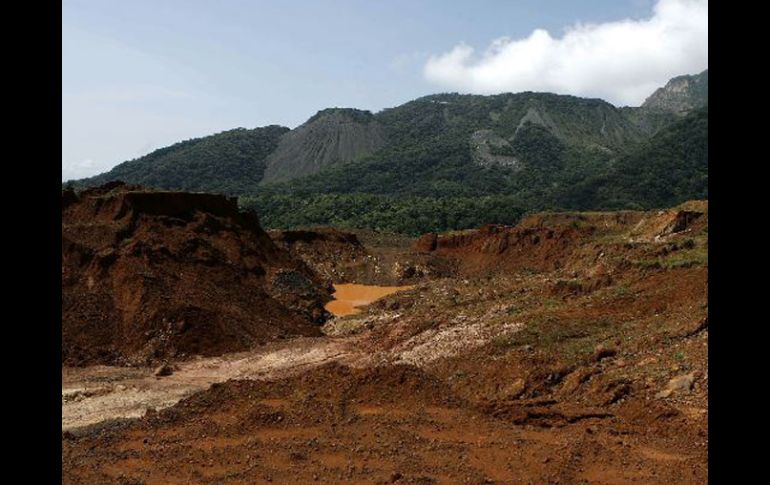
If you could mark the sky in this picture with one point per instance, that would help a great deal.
(144, 74)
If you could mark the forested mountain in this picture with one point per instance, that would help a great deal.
(233, 161)
(450, 161)
(664, 171)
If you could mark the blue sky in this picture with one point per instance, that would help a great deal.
(138, 75)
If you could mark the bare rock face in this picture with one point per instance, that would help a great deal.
(680, 95)
(488, 148)
(330, 137)
(147, 276)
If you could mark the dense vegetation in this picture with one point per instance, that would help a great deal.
(666, 170)
(408, 215)
(230, 162)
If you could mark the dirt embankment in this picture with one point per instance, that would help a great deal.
(148, 276)
(361, 257)
(578, 243)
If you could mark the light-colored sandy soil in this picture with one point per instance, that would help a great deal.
(92, 395)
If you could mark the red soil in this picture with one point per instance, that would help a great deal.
(545, 356)
(152, 275)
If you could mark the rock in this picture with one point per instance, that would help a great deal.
(678, 384)
(701, 326)
(514, 390)
(395, 476)
(164, 370)
(574, 380)
(602, 352)
(407, 272)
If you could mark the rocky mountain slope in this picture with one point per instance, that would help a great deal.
(680, 95)
(330, 137)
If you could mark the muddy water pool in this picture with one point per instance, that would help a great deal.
(349, 297)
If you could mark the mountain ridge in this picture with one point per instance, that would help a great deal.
(533, 150)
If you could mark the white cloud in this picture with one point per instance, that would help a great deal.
(622, 61)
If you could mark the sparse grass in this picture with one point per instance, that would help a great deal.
(697, 255)
(528, 271)
(579, 349)
(514, 310)
(504, 341)
(574, 339)
(551, 303)
(620, 291)
(611, 238)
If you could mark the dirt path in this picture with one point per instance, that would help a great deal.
(93, 395)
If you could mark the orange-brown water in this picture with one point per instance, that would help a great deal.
(347, 297)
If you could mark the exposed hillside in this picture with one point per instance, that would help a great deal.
(572, 348)
(152, 275)
(330, 137)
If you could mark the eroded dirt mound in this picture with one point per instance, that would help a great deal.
(152, 275)
(362, 257)
(335, 255)
(581, 243)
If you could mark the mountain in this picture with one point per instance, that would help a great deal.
(680, 95)
(668, 168)
(233, 161)
(433, 158)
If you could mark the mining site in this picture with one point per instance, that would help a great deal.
(199, 348)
